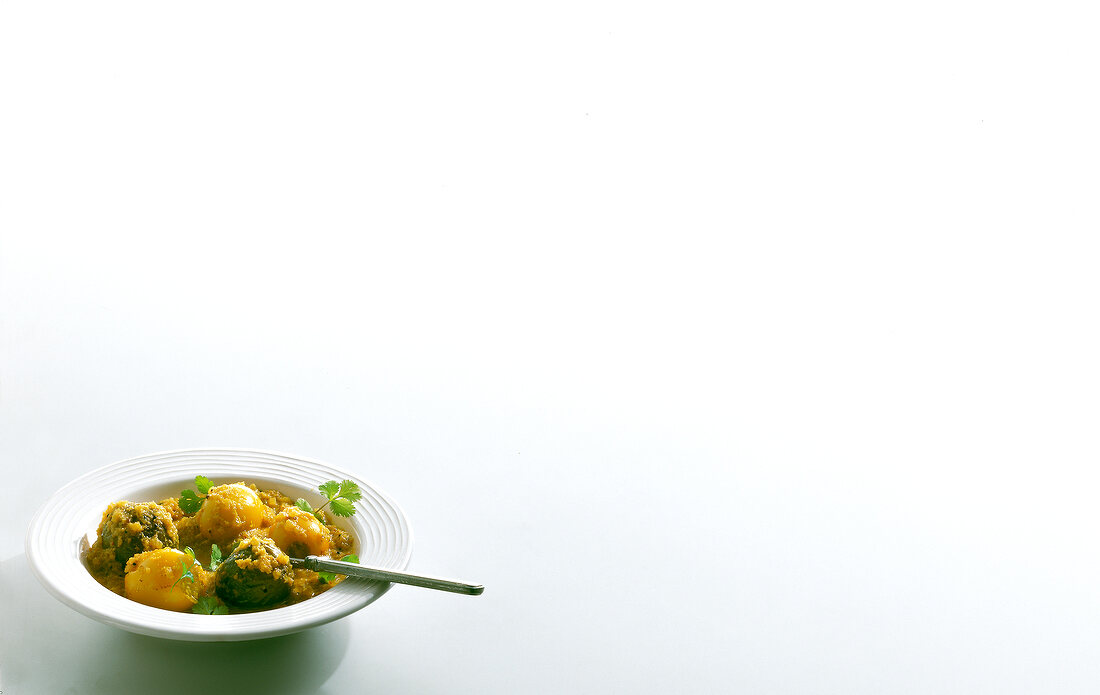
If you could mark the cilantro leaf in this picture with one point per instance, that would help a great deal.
(186, 563)
(307, 507)
(349, 491)
(329, 489)
(215, 556)
(341, 507)
(340, 499)
(203, 484)
(209, 605)
(190, 502)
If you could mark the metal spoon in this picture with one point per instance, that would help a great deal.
(323, 564)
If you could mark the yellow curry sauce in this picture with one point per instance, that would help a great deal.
(138, 553)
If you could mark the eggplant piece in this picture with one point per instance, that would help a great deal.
(255, 575)
(130, 528)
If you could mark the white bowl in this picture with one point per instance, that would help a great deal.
(54, 540)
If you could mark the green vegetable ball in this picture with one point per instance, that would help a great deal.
(130, 528)
(255, 575)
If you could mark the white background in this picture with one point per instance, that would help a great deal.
(734, 347)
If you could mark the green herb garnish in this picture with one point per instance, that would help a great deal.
(329, 577)
(209, 605)
(215, 556)
(339, 498)
(190, 501)
(187, 563)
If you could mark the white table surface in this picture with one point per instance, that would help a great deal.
(733, 349)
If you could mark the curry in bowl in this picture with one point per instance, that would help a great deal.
(221, 548)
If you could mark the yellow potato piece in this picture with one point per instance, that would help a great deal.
(298, 533)
(153, 578)
(228, 511)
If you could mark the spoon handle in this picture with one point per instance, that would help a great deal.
(351, 569)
